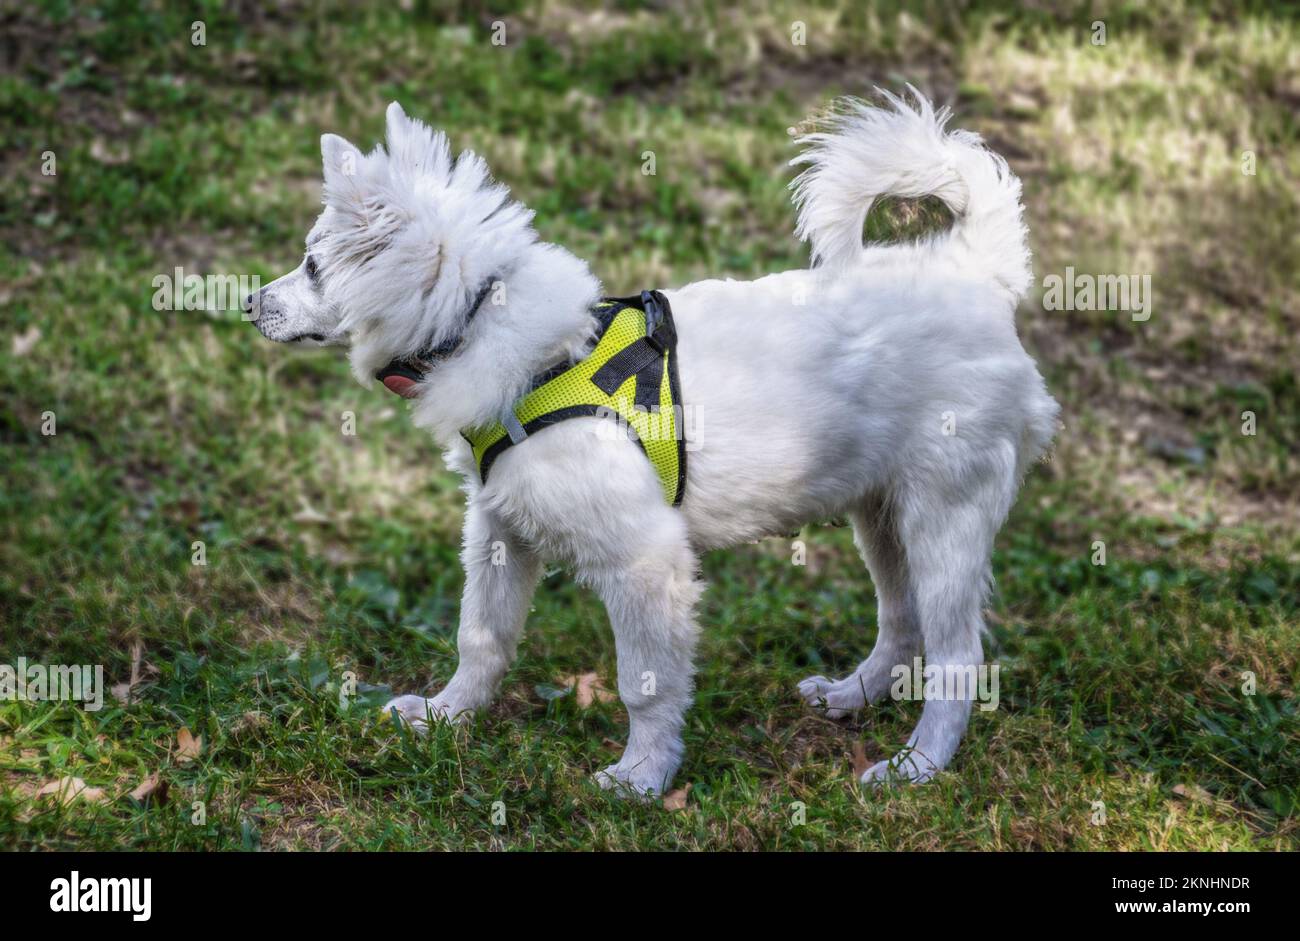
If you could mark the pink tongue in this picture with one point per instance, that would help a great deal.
(401, 385)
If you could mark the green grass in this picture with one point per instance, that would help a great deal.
(329, 553)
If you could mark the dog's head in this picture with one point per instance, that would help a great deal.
(410, 240)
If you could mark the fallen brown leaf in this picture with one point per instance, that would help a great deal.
(66, 790)
(309, 514)
(102, 151)
(588, 689)
(676, 800)
(23, 343)
(187, 746)
(860, 764)
(151, 787)
(124, 692)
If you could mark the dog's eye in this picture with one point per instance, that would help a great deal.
(311, 267)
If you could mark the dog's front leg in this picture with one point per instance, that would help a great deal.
(650, 600)
(500, 576)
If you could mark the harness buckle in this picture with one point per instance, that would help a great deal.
(654, 314)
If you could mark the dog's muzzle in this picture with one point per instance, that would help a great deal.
(270, 321)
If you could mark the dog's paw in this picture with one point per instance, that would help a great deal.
(836, 698)
(418, 712)
(903, 768)
(632, 784)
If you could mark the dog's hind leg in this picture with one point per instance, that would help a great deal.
(947, 527)
(500, 576)
(899, 637)
(650, 598)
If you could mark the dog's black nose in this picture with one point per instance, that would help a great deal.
(249, 303)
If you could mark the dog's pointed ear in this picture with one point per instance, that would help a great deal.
(344, 188)
(339, 159)
(414, 148)
(401, 133)
(395, 122)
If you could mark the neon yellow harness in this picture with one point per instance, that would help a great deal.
(630, 376)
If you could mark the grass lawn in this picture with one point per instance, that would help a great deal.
(1147, 703)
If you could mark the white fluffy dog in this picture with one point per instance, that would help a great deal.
(885, 384)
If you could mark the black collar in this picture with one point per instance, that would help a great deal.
(401, 375)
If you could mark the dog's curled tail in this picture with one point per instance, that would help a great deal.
(904, 151)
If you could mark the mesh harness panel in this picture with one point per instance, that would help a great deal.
(630, 376)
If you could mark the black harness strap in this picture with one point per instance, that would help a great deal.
(644, 358)
(447, 347)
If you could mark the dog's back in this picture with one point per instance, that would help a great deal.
(835, 381)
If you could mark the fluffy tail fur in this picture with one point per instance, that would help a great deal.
(901, 150)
